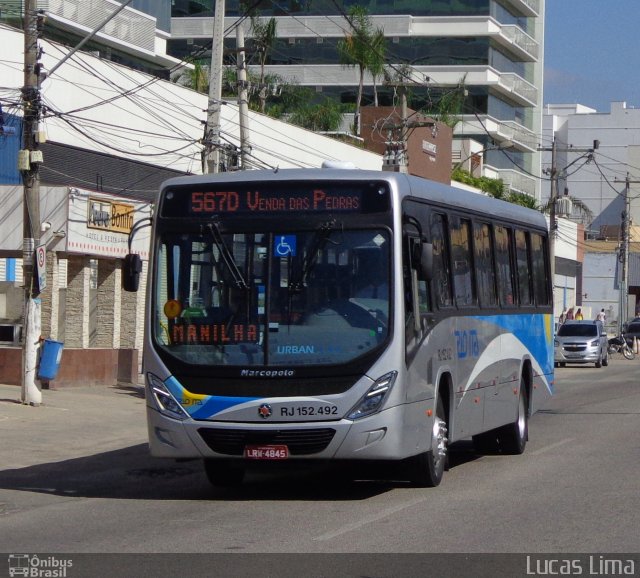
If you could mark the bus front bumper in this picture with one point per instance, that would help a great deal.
(392, 434)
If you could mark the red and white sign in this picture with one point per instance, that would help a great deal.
(41, 265)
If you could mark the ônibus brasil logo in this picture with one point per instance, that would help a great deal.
(32, 565)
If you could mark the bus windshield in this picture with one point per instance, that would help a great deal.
(287, 297)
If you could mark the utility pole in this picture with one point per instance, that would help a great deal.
(625, 240)
(212, 128)
(553, 225)
(29, 160)
(554, 175)
(243, 101)
(396, 157)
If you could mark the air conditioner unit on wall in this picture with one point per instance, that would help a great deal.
(10, 333)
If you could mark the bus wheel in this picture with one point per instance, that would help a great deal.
(512, 438)
(428, 468)
(221, 474)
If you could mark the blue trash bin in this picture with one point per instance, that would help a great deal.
(50, 354)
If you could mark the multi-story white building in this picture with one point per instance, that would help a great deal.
(494, 48)
(599, 180)
(600, 183)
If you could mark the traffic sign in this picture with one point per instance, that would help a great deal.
(41, 265)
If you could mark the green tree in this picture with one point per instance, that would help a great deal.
(449, 106)
(522, 199)
(196, 78)
(493, 187)
(264, 35)
(323, 117)
(357, 49)
(377, 60)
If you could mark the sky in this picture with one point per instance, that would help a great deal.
(592, 53)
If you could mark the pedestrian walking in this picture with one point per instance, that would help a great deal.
(569, 314)
(563, 316)
(579, 316)
(602, 316)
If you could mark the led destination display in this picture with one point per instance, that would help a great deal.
(277, 199)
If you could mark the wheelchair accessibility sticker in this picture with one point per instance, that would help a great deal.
(285, 246)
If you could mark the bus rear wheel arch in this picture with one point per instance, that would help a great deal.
(510, 438)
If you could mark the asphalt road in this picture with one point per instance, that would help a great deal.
(76, 478)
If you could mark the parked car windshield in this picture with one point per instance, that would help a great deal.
(577, 330)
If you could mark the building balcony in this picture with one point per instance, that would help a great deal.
(510, 85)
(130, 31)
(513, 38)
(523, 139)
(515, 180)
(525, 7)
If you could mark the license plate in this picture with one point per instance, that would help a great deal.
(266, 452)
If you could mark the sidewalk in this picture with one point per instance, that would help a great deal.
(70, 423)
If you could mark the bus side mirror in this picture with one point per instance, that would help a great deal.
(131, 268)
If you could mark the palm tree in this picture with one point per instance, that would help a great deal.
(196, 78)
(448, 108)
(362, 47)
(377, 60)
(264, 35)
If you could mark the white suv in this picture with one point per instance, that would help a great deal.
(581, 342)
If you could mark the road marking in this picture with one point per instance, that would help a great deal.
(368, 520)
(552, 446)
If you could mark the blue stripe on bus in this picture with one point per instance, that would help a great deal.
(205, 405)
(214, 404)
(533, 330)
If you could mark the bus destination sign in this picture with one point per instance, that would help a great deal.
(334, 198)
(272, 202)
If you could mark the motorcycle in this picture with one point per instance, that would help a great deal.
(619, 344)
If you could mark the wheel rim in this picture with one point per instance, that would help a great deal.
(522, 418)
(439, 443)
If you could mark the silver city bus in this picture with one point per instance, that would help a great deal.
(322, 314)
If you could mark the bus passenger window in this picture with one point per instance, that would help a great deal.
(503, 262)
(485, 272)
(522, 262)
(463, 282)
(441, 269)
(539, 269)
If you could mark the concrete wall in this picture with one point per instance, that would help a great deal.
(78, 367)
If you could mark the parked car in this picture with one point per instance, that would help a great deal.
(581, 342)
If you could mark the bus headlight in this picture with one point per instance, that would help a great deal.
(371, 402)
(165, 401)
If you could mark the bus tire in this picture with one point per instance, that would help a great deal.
(223, 475)
(512, 438)
(427, 468)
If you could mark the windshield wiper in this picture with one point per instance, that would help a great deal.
(318, 241)
(227, 256)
